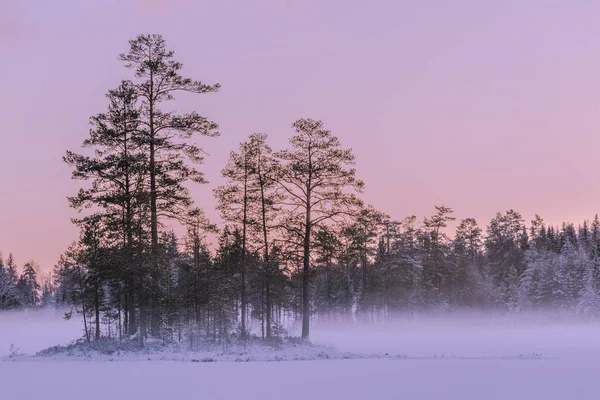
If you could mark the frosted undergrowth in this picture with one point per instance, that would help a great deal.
(114, 350)
(287, 350)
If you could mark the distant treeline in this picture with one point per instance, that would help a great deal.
(26, 290)
(297, 240)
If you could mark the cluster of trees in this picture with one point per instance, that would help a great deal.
(26, 290)
(297, 240)
(127, 270)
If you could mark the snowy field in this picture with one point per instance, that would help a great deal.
(459, 358)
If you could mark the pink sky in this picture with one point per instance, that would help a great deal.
(480, 105)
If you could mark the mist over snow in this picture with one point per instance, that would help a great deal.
(462, 335)
(467, 335)
(30, 331)
(455, 356)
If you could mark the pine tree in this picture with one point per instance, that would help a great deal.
(361, 234)
(194, 280)
(316, 175)
(264, 179)
(9, 295)
(234, 201)
(468, 287)
(589, 301)
(71, 274)
(28, 285)
(165, 139)
(11, 269)
(437, 276)
(117, 189)
(505, 253)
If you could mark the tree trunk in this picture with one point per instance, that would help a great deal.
(306, 277)
(268, 305)
(154, 311)
(97, 309)
(244, 234)
(125, 311)
(132, 323)
(119, 321)
(142, 312)
(83, 310)
(364, 272)
(268, 266)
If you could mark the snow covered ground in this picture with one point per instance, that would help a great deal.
(447, 358)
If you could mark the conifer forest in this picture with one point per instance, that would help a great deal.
(296, 242)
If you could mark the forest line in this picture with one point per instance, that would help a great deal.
(298, 242)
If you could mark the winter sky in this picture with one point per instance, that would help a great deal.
(479, 105)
